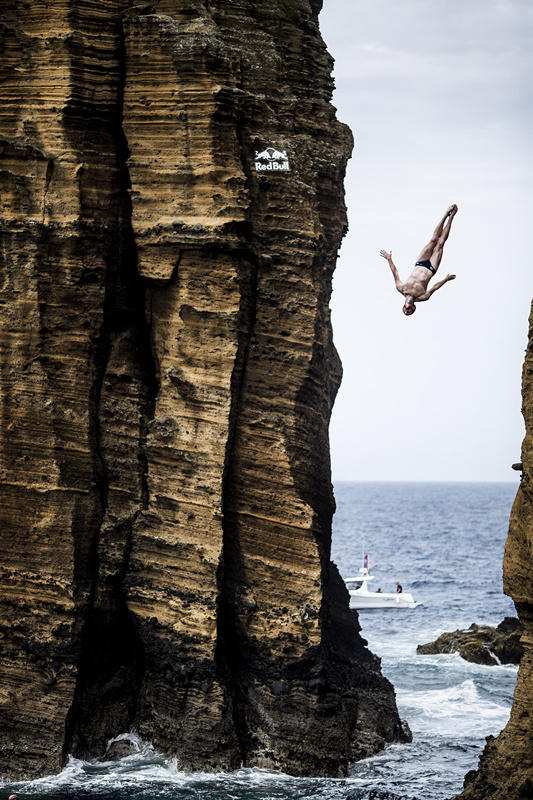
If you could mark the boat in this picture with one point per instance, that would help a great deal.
(362, 597)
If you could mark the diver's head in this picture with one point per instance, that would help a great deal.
(409, 307)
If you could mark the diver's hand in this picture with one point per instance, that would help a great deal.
(385, 255)
(450, 277)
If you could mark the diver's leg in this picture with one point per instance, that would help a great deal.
(427, 251)
(436, 256)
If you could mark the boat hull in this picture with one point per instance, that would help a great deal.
(363, 600)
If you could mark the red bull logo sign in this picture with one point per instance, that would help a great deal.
(271, 160)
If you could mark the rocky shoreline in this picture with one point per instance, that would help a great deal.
(481, 644)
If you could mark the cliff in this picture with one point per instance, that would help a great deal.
(167, 376)
(506, 764)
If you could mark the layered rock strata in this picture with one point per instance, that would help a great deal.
(167, 375)
(506, 764)
(481, 644)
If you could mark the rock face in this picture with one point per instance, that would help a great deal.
(506, 764)
(167, 376)
(481, 644)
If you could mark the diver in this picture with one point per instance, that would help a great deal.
(415, 288)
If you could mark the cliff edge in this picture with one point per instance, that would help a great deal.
(171, 212)
(506, 764)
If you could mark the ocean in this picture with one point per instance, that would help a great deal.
(444, 543)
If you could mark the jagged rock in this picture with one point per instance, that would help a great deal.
(121, 747)
(481, 644)
(506, 764)
(167, 375)
(373, 794)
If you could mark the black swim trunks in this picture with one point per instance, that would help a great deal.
(427, 264)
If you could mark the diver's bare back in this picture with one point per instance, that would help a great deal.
(416, 288)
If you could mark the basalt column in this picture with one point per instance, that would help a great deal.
(506, 764)
(172, 208)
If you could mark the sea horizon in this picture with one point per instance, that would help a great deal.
(414, 480)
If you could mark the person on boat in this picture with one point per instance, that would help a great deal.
(399, 588)
(416, 288)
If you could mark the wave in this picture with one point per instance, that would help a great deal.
(147, 773)
(445, 660)
(459, 709)
(421, 582)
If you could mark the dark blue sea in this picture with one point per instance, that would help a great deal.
(444, 543)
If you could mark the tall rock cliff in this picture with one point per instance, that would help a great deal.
(167, 376)
(506, 764)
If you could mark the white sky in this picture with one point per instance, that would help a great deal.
(437, 95)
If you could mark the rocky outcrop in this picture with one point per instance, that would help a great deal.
(121, 747)
(506, 764)
(481, 644)
(167, 375)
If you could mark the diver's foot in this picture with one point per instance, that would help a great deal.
(451, 211)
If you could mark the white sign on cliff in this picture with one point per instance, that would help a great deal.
(271, 160)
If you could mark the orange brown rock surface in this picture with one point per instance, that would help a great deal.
(167, 376)
(506, 764)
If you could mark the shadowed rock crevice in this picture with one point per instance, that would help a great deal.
(231, 648)
(111, 662)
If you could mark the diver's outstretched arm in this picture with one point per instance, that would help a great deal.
(392, 265)
(434, 288)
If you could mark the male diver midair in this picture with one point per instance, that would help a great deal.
(415, 288)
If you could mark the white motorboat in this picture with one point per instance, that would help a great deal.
(362, 597)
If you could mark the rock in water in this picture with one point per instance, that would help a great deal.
(121, 747)
(481, 644)
(172, 207)
(378, 794)
(506, 765)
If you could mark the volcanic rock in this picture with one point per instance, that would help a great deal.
(481, 644)
(120, 747)
(506, 764)
(167, 374)
(377, 794)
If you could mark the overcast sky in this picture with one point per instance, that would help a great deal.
(437, 94)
